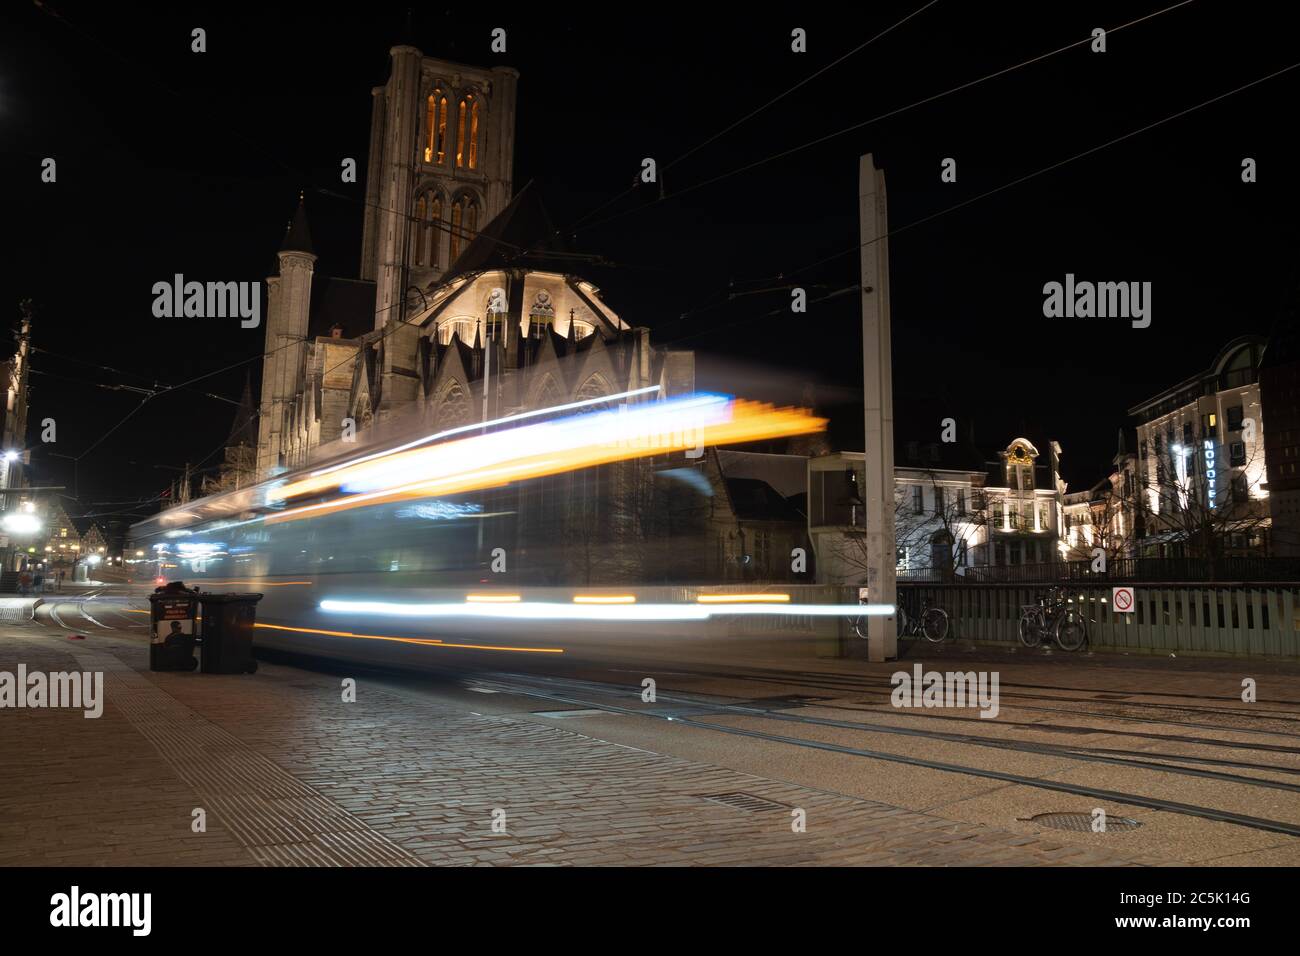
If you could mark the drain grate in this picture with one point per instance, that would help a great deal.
(744, 801)
(1081, 822)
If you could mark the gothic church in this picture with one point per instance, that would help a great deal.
(467, 308)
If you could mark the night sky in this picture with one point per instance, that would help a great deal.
(171, 161)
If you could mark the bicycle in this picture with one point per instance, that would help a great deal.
(931, 623)
(1053, 618)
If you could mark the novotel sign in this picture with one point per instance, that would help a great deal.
(1211, 474)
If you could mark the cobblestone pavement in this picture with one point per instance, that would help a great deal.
(288, 774)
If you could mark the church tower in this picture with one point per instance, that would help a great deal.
(288, 306)
(441, 166)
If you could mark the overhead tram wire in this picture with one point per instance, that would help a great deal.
(440, 223)
(107, 386)
(984, 195)
(752, 113)
(303, 177)
(875, 119)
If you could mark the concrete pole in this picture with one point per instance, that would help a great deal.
(878, 406)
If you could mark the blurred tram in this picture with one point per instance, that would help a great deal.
(385, 552)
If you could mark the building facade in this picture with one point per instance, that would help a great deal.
(1103, 521)
(955, 508)
(14, 456)
(1279, 393)
(1202, 462)
(468, 306)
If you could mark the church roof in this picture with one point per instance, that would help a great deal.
(522, 236)
(959, 455)
(346, 302)
(298, 236)
(753, 499)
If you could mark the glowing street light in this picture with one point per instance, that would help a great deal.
(21, 522)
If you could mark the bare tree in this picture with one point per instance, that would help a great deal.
(1108, 525)
(1200, 497)
(936, 530)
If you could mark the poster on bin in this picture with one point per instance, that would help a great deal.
(174, 622)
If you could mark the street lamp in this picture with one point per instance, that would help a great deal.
(22, 522)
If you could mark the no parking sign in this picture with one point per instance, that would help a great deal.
(1121, 599)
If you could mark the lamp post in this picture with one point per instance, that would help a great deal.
(878, 409)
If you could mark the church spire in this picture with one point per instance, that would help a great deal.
(243, 431)
(297, 237)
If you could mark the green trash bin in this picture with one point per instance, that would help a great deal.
(228, 633)
(172, 632)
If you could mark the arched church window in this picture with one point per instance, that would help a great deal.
(582, 329)
(461, 327)
(548, 396)
(494, 326)
(541, 315)
(593, 387)
(435, 143)
(464, 223)
(467, 131)
(428, 218)
(454, 408)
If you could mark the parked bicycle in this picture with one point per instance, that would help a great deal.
(1053, 618)
(929, 622)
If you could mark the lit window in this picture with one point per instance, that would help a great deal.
(428, 215)
(541, 316)
(467, 131)
(435, 144)
(463, 328)
(464, 223)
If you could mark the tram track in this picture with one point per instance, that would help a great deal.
(525, 685)
(865, 685)
(1104, 754)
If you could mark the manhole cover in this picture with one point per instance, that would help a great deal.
(744, 801)
(1082, 822)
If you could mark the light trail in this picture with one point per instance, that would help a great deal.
(553, 611)
(466, 429)
(423, 641)
(761, 598)
(548, 448)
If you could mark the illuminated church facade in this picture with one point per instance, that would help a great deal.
(467, 306)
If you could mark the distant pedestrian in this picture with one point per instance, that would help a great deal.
(37, 581)
(59, 584)
(24, 582)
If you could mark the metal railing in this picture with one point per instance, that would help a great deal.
(1240, 620)
(1138, 570)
